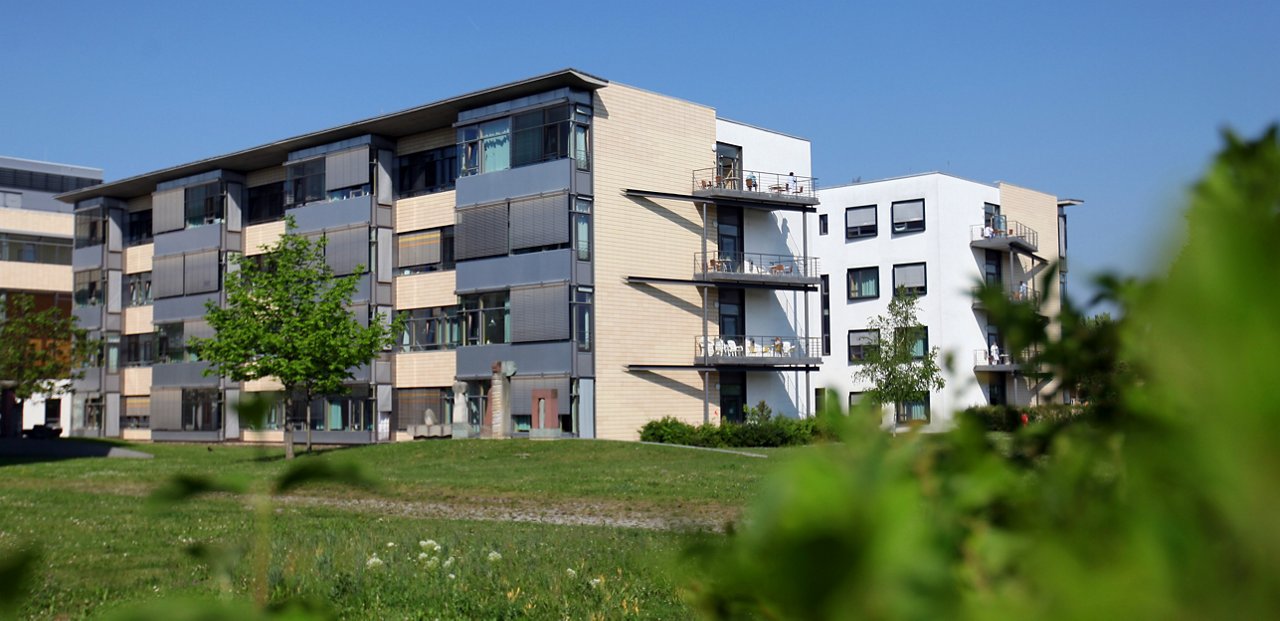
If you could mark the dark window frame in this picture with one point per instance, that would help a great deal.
(822, 224)
(427, 172)
(438, 328)
(916, 291)
(825, 291)
(204, 204)
(902, 417)
(911, 226)
(849, 283)
(265, 203)
(138, 228)
(923, 341)
(865, 230)
(447, 246)
(862, 357)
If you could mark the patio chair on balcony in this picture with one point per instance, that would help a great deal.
(787, 349)
(731, 348)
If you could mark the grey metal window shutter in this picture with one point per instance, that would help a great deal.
(166, 409)
(481, 232)
(908, 275)
(908, 211)
(418, 248)
(201, 272)
(166, 276)
(167, 211)
(540, 221)
(540, 313)
(860, 216)
(346, 168)
(347, 250)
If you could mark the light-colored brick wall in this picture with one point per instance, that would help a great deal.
(265, 176)
(137, 319)
(433, 139)
(259, 235)
(135, 381)
(267, 384)
(34, 222)
(138, 258)
(646, 141)
(1040, 212)
(426, 290)
(34, 276)
(425, 212)
(426, 369)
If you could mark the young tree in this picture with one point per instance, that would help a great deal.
(893, 366)
(40, 348)
(286, 317)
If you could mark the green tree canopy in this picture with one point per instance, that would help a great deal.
(896, 367)
(287, 317)
(40, 347)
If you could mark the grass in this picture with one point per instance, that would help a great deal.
(102, 550)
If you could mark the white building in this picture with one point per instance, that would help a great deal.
(938, 235)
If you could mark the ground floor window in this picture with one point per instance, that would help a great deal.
(353, 411)
(423, 406)
(137, 413)
(53, 412)
(201, 409)
(913, 411)
(86, 414)
(733, 396)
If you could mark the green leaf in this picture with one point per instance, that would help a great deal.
(183, 487)
(321, 470)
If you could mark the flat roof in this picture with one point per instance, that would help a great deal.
(55, 168)
(414, 120)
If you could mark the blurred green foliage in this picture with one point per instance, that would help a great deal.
(760, 429)
(1156, 503)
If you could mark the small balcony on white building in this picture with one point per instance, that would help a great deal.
(1005, 236)
(1000, 361)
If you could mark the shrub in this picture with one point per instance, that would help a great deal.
(1009, 418)
(761, 429)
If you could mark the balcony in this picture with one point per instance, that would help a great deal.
(1005, 236)
(753, 186)
(1031, 297)
(1000, 362)
(758, 351)
(754, 268)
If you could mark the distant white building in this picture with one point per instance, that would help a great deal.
(938, 236)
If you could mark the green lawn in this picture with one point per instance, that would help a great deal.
(557, 513)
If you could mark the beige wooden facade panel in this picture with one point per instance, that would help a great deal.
(34, 222)
(138, 258)
(433, 139)
(259, 235)
(265, 436)
(264, 176)
(34, 276)
(426, 290)
(137, 320)
(139, 203)
(646, 141)
(425, 212)
(425, 369)
(135, 381)
(1040, 212)
(266, 384)
(136, 435)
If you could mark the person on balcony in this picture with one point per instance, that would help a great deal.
(1022, 290)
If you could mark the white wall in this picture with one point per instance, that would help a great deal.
(769, 312)
(33, 411)
(952, 206)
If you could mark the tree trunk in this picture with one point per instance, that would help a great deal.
(308, 406)
(288, 425)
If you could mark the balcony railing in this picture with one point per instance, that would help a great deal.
(758, 350)
(1031, 296)
(755, 267)
(1002, 233)
(1000, 360)
(778, 185)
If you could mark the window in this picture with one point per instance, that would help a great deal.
(540, 136)
(910, 279)
(138, 289)
(908, 216)
(913, 411)
(485, 317)
(305, 183)
(826, 315)
(920, 345)
(822, 224)
(350, 412)
(431, 329)
(140, 350)
(860, 222)
(864, 283)
(486, 147)
(43, 182)
(431, 250)
(35, 249)
(91, 227)
(427, 171)
(265, 203)
(87, 288)
(203, 204)
(171, 343)
(855, 399)
(423, 406)
(137, 413)
(582, 327)
(201, 409)
(861, 342)
(138, 229)
(582, 227)
(527, 138)
(353, 191)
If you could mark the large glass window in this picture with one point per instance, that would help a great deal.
(486, 318)
(140, 349)
(427, 171)
(920, 344)
(203, 204)
(913, 411)
(527, 138)
(428, 329)
(582, 312)
(860, 222)
(88, 288)
(138, 230)
(425, 251)
(910, 278)
(201, 409)
(353, 411)
(91, 227)
(305, 183)
(826, 315)
(423, 406)
(138, 289)
(864, 283)
(861, 343)
(908, 216)
(266, 203)
(582, 227)
(171, 343)
(540, 135)
(35, 249)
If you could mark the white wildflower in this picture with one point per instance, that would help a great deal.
(571, 573)
(422, 556)
(433, 562)
(373, 562)
(494, 556)
(391, 544)
(451, 576)
(429, 545)
(448, 563)
(595, 582)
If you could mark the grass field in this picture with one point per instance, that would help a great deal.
(571, 529)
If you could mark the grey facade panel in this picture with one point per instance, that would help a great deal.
(544, 178)
(504, 272)
(113, 292)
(168, 211)
(347, 249)
(88, 317)
(385, 190)
(181, 374)
(181, 308)
(115, 230)
(481, 232)
(384, 398)
(540, 221)
(346, 168)
(111, 415)
(540, 313)
(554, 358)
(167, 275)
(195, 238)
(200, 273)
(332, 214)
(235, 199)
(586, 408)
(386, 245)
(87, 258)
(522, 401)
(166, 410)
(230, 417)
(91, 382)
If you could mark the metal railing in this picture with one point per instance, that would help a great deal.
(1005, 229)
(763, 349)
(782, 184)
(755, 264)
(999, 357)
(1030, 296)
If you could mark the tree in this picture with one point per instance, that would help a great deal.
(287, 317)
(893, 365)
(40, 349)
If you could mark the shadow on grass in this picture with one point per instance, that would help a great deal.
(25, 450)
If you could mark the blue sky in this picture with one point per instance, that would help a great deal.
(1117, 103)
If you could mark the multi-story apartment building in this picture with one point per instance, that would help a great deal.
(35, 251)
(572, 256)
(937, 236)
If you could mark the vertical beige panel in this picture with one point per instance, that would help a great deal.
(137, 320)
(427, 369)
(35, 222)
(1040, 212)
(647, 141)
(425, 212)
(135, 381)
(138, 258)
(264, 176)
(259, 235)
(433, 139)
(35, 276)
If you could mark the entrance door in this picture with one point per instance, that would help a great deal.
(733, 396)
